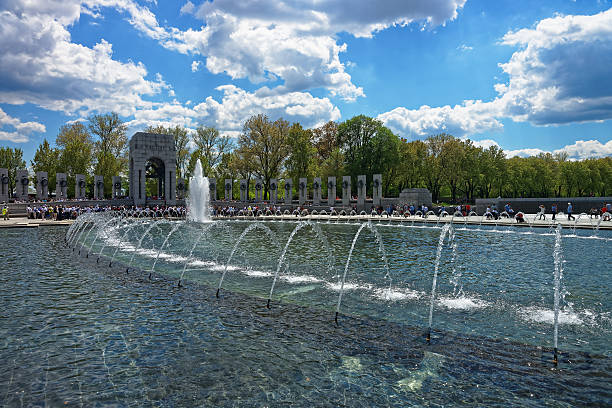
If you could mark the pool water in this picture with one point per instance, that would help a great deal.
(77, 332)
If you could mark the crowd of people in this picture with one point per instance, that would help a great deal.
(47, 211)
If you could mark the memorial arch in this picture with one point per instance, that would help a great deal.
(152, 157)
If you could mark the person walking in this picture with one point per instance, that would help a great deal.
(570, 209)
(542, 213)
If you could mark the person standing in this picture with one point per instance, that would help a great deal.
(570, 209)
(5, 213)
(553, 210)
(542, 213)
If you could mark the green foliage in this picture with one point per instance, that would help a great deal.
(46, 159)
(11, 159)
(76, 148)
(110, 152)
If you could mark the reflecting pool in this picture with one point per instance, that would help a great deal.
(76, 331)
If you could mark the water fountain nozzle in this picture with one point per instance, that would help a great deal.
(555, 356)
(268, 305)
(217, 294)
(428, 337)
(336, 319)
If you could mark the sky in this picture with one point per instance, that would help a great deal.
(528, 76)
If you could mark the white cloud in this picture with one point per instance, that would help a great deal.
(292, 41)
(27, 127)
(581, 149)
(464, 48)
(560, 74)
(39, 64)
(195, 66)
(471, 117)
(13, 137)
(236, 106)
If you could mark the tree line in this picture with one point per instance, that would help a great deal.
(453, 169)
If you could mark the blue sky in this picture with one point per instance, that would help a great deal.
(529, 76)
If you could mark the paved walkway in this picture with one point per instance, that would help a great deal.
(584, 222)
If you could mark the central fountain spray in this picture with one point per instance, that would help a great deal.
(199, 196)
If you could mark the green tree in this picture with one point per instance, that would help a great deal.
(76, 148)
(110, 147)
(211, 145)
(12, 160)
(265, 142)
(46, 159)
(301, 160)
(181, 139)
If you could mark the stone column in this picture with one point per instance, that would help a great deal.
(258, 191)
(273, 191)
(169, 176)
(288, 191)
(331, 191)
(180, 188)
(116, 187)
(243, 190)
(22, 182)
(80, 186)
(212, 183)
(346, 191)
(42, 185)
(4, 185)
(316, 191)
(377, 190)
(61, 186)
(303, 190)
(361, 191)
(228, 189)
(98, 187)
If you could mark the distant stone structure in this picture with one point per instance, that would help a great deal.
(80, 187)
(377, 190)
(244, 190)
(331, 191)
(180, 188)
(228, 189)
(273, 190)
(152, 156)
(212, 185)
(116, 187)
(258, 190)
(302, 190)
(415, 196)
(42, 185)
(288, 191)
(361, 191)
(4, 185)
(98, 187)
(346, 191)
(316, 191)
(61, 186)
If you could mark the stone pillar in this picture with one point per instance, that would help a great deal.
(212, 183)
(258, 190)
(22, 182)
(4, 185)
(80, 186)
(61, 186)
(42, 185)
(273, 191)
(377, 190)
(116, 187)
(316, 191)
(303, 190)
(346, 191)
(98, 188)
(244, 190)
(228, 189)
(180, 188)
(288, 191)
(361, 191)
(331, 191)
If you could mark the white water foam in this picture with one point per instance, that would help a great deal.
(540, 315)
(462, 303)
